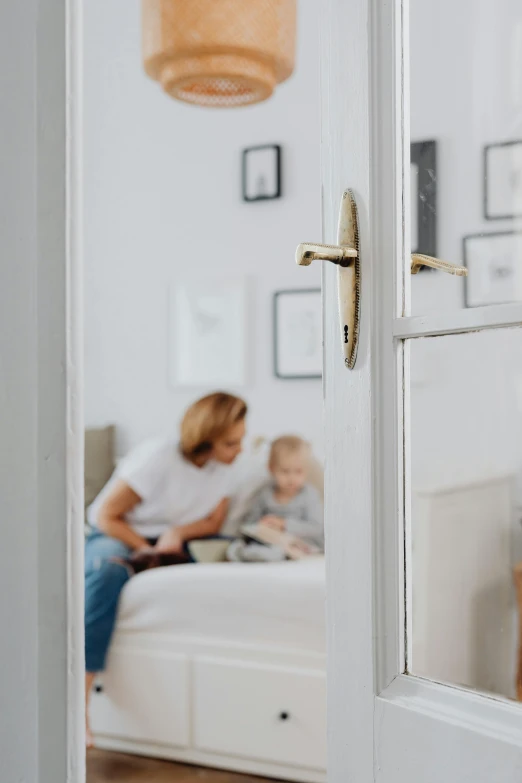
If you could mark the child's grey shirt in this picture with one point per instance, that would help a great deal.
(303, 514)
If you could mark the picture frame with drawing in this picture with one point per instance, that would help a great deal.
(208, 334)
(297, 325)
(494, 263)
(261, 175)
(502, 197)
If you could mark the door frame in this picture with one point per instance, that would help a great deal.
(60, 38)
(75, 385)
(41, 418)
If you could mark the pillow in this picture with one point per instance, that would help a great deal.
(99, 461)
(212, 550)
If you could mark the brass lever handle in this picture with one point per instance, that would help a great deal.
(419, 260)
(308, 251)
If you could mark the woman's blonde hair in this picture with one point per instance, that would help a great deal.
(209, 419)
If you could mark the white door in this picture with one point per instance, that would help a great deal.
(423, 436)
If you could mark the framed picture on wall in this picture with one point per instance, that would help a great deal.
(261, 173)
(503, 180)
(208, 334)
(423, 173)
(494, 263)
(298, 350)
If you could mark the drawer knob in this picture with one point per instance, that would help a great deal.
(98, 688)
(284, 716)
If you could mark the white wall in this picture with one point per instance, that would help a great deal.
(163, 202)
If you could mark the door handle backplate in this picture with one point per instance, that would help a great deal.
(346, 256)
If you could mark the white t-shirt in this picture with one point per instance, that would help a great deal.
(173, 491)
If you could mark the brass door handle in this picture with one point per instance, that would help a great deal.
(308, 252)
(419, 260)
(346, 256)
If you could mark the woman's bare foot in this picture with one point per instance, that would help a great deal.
(89, 682)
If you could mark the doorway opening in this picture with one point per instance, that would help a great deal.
(191, 217)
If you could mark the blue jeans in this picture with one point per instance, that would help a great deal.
(104, 581)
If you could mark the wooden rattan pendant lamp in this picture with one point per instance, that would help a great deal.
(221, 53)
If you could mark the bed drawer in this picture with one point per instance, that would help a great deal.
(260, 712)
(145, 697)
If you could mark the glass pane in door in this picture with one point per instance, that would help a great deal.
(466, 508)
(466, 150)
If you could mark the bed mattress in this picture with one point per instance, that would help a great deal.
(275, 604)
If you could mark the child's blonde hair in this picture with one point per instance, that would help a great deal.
(288, 444)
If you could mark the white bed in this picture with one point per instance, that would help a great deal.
(278, 604)
(220, 664)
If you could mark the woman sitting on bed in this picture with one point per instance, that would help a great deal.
(162, 495)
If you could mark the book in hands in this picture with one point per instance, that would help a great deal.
(293, 547)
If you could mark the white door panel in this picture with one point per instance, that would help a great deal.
(386, 559)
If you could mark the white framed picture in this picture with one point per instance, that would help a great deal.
(261, 173)
(208, 334)
(298, 337)
(494, 263)
(503, 180)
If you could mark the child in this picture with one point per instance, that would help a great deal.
(288, 504)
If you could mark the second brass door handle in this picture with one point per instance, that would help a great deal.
(419, 260)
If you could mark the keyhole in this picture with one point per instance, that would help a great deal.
(346, 334)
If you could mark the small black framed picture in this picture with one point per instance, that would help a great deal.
(503, 180)
(494, 263)
(261, 172)
(298, 340)
(423, 172)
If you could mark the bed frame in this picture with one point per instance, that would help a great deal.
(252, 709)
